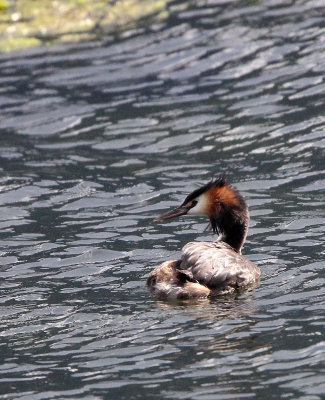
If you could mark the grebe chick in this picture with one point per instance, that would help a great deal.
(209, 268)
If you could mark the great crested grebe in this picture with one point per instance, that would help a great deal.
(209, 268)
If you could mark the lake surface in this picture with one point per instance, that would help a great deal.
(99, 138)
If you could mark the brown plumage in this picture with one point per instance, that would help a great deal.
(209, 268)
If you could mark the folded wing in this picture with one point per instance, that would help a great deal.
(217, 266)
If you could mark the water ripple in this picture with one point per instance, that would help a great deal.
(98, 139)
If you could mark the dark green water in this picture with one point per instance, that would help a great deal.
(97, 139)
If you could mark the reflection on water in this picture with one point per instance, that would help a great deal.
(99, 138)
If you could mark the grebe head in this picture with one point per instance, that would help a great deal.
(223, 205)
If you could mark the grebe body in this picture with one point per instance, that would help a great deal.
(209, 268)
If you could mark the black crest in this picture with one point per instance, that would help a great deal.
(220, 182)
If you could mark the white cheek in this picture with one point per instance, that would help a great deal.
(201, 208)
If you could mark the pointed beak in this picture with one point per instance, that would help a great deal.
(182, 210)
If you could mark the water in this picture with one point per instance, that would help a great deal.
(99, 138)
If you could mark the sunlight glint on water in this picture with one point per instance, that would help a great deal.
(99, 138)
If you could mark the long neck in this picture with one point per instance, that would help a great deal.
(233, 227)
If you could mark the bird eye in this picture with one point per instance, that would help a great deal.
(194, 203)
